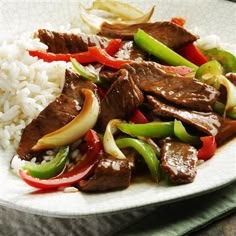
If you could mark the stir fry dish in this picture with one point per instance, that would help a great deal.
(138, 97)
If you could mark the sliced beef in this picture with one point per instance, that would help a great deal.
(110, 174)
(73, 85)
(231, 77)
(187, 92)
(223, 91)
(170, 34)
(226, 132)
(54, 116)
(130, 51)
(142, 71)
(68, 42)
(121, 100)
(207, 122)
(57, 114)
(109, 75)
(179, 161)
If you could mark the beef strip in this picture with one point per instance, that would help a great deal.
(57, 114)
(121, 100)
(110, 174)
(170, 34)
(223, 91)
(226, 132)
(207, 122)
(73, 85)
(231, 77)
(130, 51)
(187, 92)
(69, 43)
(179, 161)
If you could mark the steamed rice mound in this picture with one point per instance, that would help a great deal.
(27, 86)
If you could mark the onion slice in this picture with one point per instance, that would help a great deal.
(93, 21)
(109, 143)
(123, 10)
(75, 129)
(128, 16)
(231, 92)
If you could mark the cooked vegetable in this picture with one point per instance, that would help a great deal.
(151, 129)
(178, 21)
(210, 73)
(109, 143)
(183, 135)
(231, 93)
(161, 51)
(78, 173)
(113, 46)
(49, 169)
(120, 9)
(122, 13)
(193, 54)
(208, 148)
(226, 59)
(145, 151)
(74, 130)
(82, 57)
(104, 58)
(83, 72)
(138, 117)
(219, 107)
(231, 113)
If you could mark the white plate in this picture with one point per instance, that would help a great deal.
(204, 17)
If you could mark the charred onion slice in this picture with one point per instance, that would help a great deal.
(75, 129)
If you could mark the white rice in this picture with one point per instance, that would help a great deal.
(27, 86)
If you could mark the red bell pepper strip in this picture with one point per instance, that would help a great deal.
(208, 147)
(138, 117)
(82, 57)
(78, 173)
(104, 58)
(113, 46)
(178, 21)
(193, 54)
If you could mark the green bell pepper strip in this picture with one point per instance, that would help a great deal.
(151, 129)
(226, 59)
(83, 72)
(49, 169)
(145, 151)
(183, 135)
(210, 73)
(160, 50)
(219, 108)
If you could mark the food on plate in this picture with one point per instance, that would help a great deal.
(96, 110)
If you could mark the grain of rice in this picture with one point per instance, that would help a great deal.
(47, 158)
(70, 190)
(50, 152)
(75, 153)
(33, 160)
